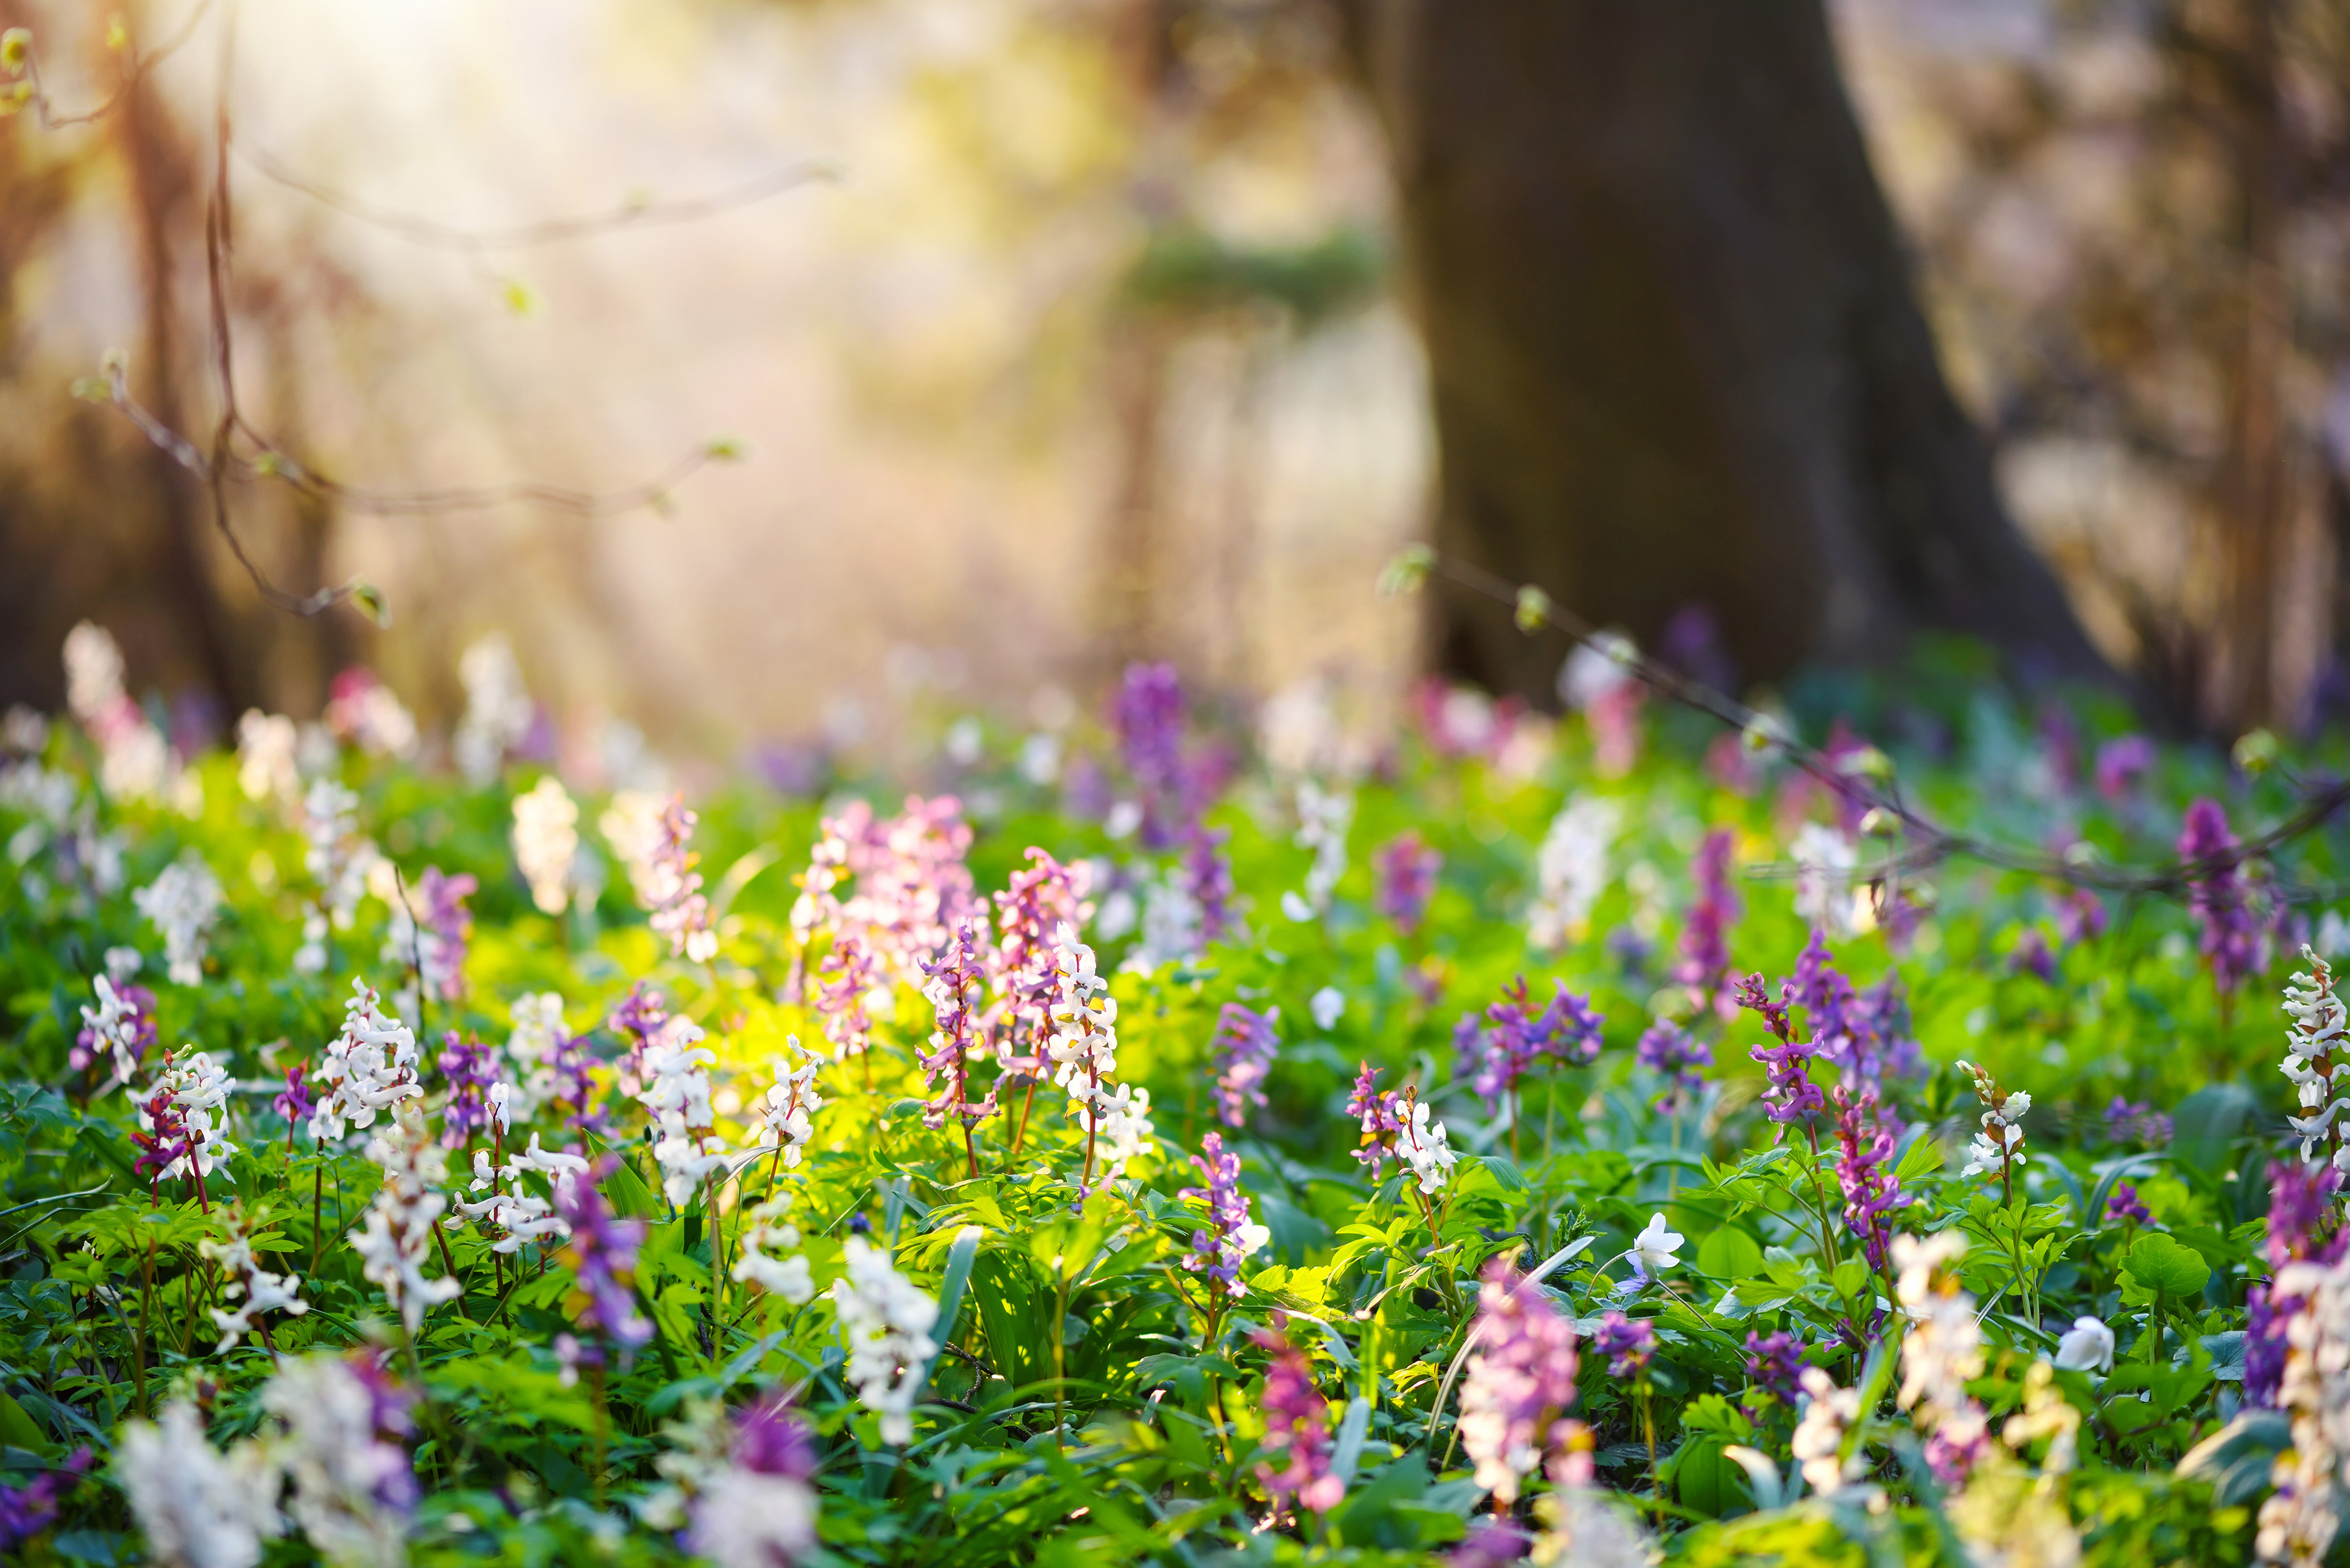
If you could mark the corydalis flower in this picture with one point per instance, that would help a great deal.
(1205, 881)
(1864, 1143)
(886, 1320)
(1324, 817)
(757, 1510)
(499, 713)
(117, 1032)
(1396, 1125)
(1405, 871)
(396, 1236)
(339, 1421)
(1829, 1414)
(242, 1275)
(1668, 1051)
(848, 977)
(912, 887)
(2300, 1201)
(954, 992)
(1628, 1343)
(2216, 892)
(1571, 870)
(2299, 1521)
(673, 887)
(1999, 1146)
(2123, 1205)
(1775, 1364)
(1023, 966)
(470, 1068)
(1297, 1426)
(432, 929)
(1148, 717)
(2138, 1123)
(767, 1257)
(786, 1110)
(338, 861)
(1514, 1039)
(1520, 1382)
(1245, 1047)
(1941, 1350)
(545, 842)
(1233, 1237)
(602, 1254)
(1790, 1096)
(27, 1511)
(1705, 945)
(371, 1066)
(188, 1109)
(197, 1506)
(2313, 1063)
(182, 903)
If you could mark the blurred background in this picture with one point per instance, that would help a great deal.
(1056, 333)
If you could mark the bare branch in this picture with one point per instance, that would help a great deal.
(136, 67)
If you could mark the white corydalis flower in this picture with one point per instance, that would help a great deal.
(886, 1322)
(199, 1086)
(1324, 817)
(1829, 1413)
(1120, 1125)
(267, 748)
(767, 1259)
(499, 712)
(631, 825)
(116, 1026)
(680, 912)
(2314, 1056)
(197, 1506)
(2300, 1519)
(545, 842)
(744, 1518)
(245, 1277)
(1571, 871)
(371, 1066)
(351, 1489)
(183, 904)
(397, 1237)
(514, 1218)
(1999, 1146)
(1825, 896)
(538, 1028)
(677, 1094)
(338, 861)
(1941, 1351)
(1424, 1145)
(786, 1110)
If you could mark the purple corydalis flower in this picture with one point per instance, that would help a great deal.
(1775, 1364)
(1515, 1040)
(471, 1070)
(2138, 1123)
(1405, 871)
(116, 1037)
(847, 977)
(2215, 892)
(27, 1511)
(1864, 1170)
(1220, 1252)
(451, 925)
(1148, 717)
(1628, 1342)
(161, 1137)
(639, 1019)
(2121, 764)
(389, 1401)
(1207, 874)
(2300, 1200)
(1705, 940)
(2031, 956)
(602, 1254)
(1667, 1050)
(680, 912)
(1520, 1382)
(955, 981)
(1490, 1545)
(294, 1102)
(2080, 917)
(1790, 1096)
(2123, 1206)
(1296, 1423)
(1245, 1047)
(771, 1439)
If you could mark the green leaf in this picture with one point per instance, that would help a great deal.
(1729, 1253)
(2207, 1125)
(2161, 1265)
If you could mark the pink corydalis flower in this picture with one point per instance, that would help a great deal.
(602, 1254)
(673, 887)
(847, 977)
(1790, 1094)
(1705, 945)
(954, 992)
(1296, 1425)
(1515, 1040)
(1023, 968)
(1405, 871)
(1864, 1143)
(1232, 1238)
(1520, 1382)
(447, 930)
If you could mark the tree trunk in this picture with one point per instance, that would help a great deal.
(1673, 347)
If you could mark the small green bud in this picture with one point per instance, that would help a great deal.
(16, 49)
(1762, 733)
(117, 33)
(1533, 609)
(1407, 571)
(371, 602)
(723, 449)
(1868, 763)
(518, 296)
(93, 390)
(267, 465)
(1879, 823)
(2256, 753)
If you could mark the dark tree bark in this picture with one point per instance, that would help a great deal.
(1675, 353)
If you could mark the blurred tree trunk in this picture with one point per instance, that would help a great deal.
(1674, 349)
